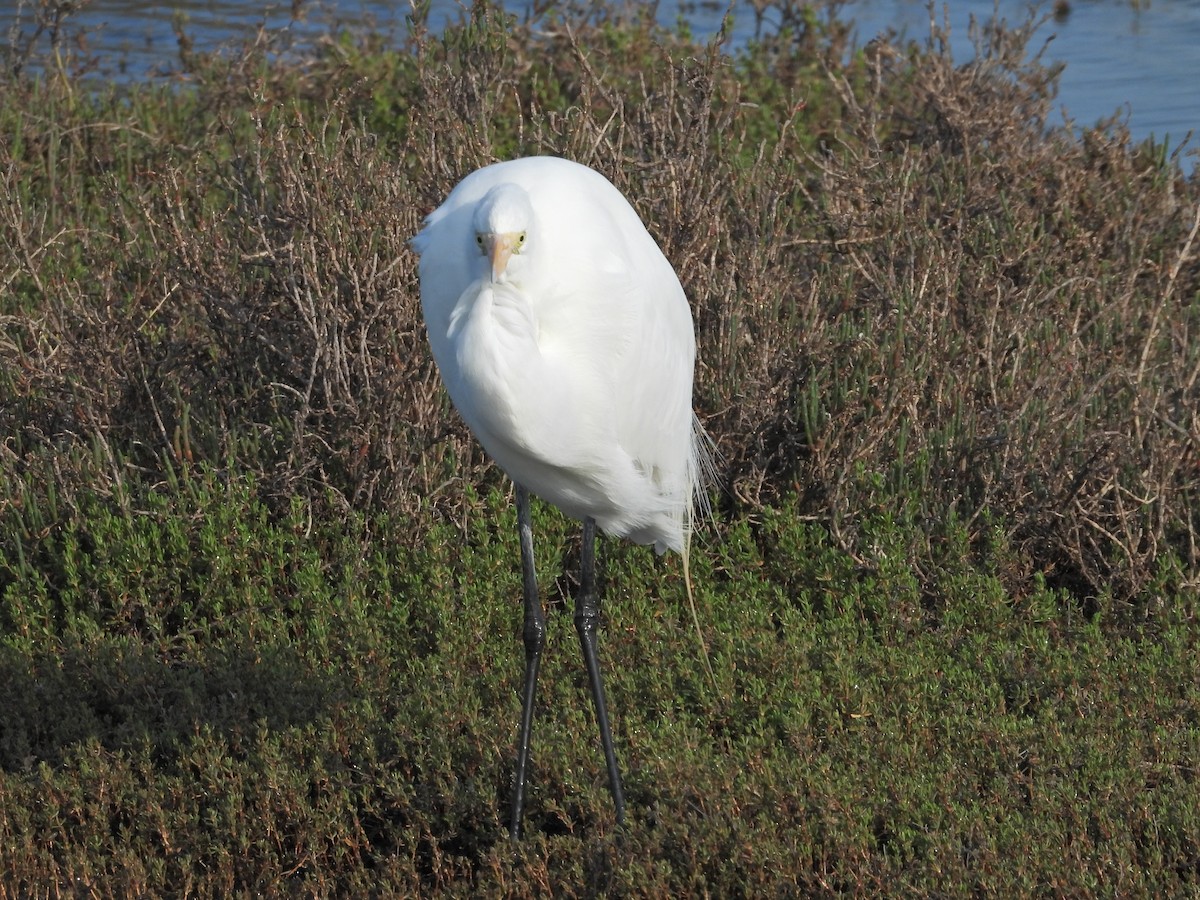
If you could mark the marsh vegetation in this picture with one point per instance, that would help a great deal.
(259, 607)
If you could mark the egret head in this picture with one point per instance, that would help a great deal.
(503, 226)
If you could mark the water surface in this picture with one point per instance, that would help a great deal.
(1141, 64)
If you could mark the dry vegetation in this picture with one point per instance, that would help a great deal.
(915, 304)
(898, 279)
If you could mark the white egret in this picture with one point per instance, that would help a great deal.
(566, 343)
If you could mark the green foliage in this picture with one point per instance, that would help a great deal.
(207, 694)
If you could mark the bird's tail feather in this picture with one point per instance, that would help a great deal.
(687, 581)
(703, 476)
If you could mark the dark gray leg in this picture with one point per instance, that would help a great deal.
(534, 635)
(587, 617)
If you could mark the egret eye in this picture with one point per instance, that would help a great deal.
(479, 239)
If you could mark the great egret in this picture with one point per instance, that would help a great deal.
(566, 343)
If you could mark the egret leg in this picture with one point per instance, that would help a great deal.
(534, 636)
(587, 618)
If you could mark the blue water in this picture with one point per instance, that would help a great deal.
(1140, 64)
(1143, 65)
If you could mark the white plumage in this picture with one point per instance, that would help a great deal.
(572, 362)
(565, 341)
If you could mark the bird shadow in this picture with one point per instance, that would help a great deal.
(125, 697)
